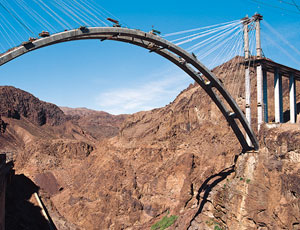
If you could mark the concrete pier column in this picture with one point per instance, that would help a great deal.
(293, 106)
(265, 96)
(246, 22)
(259, 73)
(278, 97)
(248, 100)
(248, 95)
(258, 18)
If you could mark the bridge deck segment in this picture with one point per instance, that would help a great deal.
(270, 66)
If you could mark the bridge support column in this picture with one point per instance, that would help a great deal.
(293, 107)
(258, 18)
(246, 22)
(265, 96)
(278, 97)
(259, 73)
(248, 95)
(248, 100)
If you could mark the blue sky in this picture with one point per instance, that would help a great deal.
(121, 78)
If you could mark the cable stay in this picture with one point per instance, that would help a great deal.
(16, 18)
(213, 44)
(200, 28)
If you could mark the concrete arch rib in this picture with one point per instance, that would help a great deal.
(168, 50)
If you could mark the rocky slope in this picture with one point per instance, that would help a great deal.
(26, 121)
(99, 124)
(181, 159)
(263, 192)
(131, 180)
(16, 103)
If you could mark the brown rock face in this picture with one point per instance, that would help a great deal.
(2, 126)
(263, 193)
(47, 182)
(15, 103)
(182, 159)
(157, 163)
(97, 123)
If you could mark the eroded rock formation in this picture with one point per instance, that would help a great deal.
(182, 159)
(99, 124)
(263, 192)
(16, 103)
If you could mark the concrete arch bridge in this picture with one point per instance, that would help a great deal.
(184, 60)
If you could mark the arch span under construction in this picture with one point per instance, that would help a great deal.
(184, 60)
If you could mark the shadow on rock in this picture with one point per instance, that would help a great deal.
(286, 114)
(20, 213)
(209, 184)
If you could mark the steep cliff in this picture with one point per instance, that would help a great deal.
(181, 160)
(16, 103)
(263, 192)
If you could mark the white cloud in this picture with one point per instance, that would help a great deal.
(152, 94)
